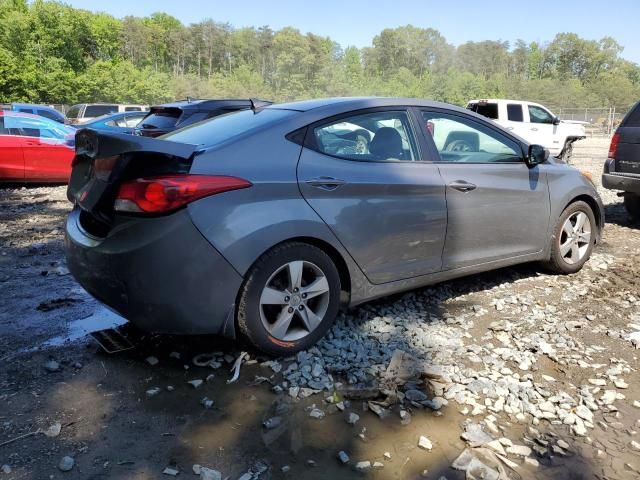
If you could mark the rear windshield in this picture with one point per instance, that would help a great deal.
(217, 130)
(97, 110)
(489, 110)
(633, 117)
(161, 120)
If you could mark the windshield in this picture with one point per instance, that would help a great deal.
(217, 130)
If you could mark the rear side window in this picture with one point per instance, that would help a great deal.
(97, 110)
(132, 109)
(25, 110)
(489, 110)
(226, 127)
(633, 117)
(514, 112)
(375, 136)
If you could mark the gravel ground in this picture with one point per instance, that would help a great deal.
(507, 374)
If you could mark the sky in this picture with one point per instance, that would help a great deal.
(356, 22)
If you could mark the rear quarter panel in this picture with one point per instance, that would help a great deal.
(243, 224)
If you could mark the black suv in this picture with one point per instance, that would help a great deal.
(622, 168)
(171, 116)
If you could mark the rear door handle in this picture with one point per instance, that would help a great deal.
(325, 183)
(534, 129)
(462, 186)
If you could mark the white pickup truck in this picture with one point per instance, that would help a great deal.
(533, 122)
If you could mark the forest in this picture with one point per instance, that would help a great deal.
(53, 53)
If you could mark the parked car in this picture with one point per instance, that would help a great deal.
(42, 110)
(117, 122)
(265, 222)
(84, 112)
(171, 116)
(622, 168)
(533, 122)
(34, 149)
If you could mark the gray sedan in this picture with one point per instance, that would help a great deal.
(264, 223)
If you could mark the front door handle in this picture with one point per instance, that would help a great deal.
(325, 183)
(534, 129)
(462, 186)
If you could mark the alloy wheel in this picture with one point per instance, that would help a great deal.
(575, 237)
(294, 300)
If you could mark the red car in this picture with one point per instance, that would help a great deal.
(34, 149)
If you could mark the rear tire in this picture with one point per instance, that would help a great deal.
(573, 239)
(290, 299)
(632, 205)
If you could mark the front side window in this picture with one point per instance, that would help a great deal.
(463, 140)
(374, 136)
(514, 112)
(73, 112)
(539, 115)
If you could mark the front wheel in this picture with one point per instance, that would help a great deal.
(573, 239)
(290, 299)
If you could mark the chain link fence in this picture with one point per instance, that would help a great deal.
(599, 122)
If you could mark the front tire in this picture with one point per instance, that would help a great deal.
(290, 299)
(632, 206)
(573, 239)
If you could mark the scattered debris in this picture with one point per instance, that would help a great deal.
(66, 464)
(236, 367)
(151, 360)
(343, 457)
(424, 443)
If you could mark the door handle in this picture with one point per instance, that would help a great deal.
(534, 129)
(462, 186)
(325, 183)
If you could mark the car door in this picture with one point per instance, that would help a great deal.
(364, 174)
(11, 155)
(498, 208)
(514, 115)
(46, 157)
(542, 130)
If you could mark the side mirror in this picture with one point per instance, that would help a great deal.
(556, 120)
(537, 154)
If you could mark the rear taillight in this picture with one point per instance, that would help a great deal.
(168, 193)
(613, 148)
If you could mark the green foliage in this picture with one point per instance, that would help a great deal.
(53, 53)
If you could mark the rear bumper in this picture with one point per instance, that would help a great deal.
(159, 273)
(627, 182)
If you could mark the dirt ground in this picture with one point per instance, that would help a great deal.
(114, 428)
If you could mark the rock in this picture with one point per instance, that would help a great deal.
(172, 472)
(621, 384)
(175, 355)
(584, 413)
(424, 443)
(635, 445)
(405, 417)
(316, 413)
(271, 423)
(598, 382)
(196, 469)
(343, 457)
(285, 469)
(52, 366)
(387, 455)
(531, 461)
(496, 446)
(66, 464)
(311, 463)
(209, 474)
(377, 409)
(353, 418)
(197, 383)
(378, 465)
(520, 450)
(415, 396)
(475, 436)
(246, 476)
(562, 444)
(153, 361)
(152, 392)
(6, 469)
(206, 403)
(54, 430)
(363, 466)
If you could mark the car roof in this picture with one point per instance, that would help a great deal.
(35, 105)
(204, 104)
(11, 113)
(356, 103)
(496, 100)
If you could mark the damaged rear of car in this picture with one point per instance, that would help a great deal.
(129, 195)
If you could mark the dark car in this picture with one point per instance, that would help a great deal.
(34, 109)
(171, 116)
(117, 122)
(265, 222)
(622, 168)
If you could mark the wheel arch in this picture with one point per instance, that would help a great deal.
(593, 204)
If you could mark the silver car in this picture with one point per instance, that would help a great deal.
(264, 223)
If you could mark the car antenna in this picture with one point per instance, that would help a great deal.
(257, 104)
(189, 99)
